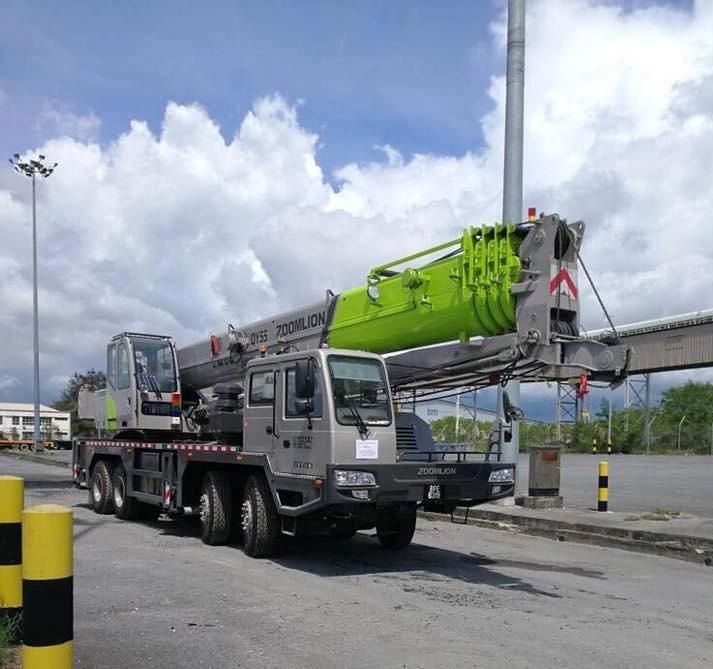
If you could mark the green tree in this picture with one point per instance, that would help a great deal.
(92, 380)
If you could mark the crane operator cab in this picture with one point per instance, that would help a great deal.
(142, 387)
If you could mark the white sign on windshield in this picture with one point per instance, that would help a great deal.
(367, 449)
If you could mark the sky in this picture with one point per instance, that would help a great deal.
(223, 162)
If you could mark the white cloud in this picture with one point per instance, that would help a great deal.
(57, 120)
(184, 231)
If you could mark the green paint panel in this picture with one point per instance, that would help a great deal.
(458, 297)
(110, 422)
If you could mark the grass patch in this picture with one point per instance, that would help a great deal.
(8, 654)
(661, 513)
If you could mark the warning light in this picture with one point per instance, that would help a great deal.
(214, 345)
(532, 214)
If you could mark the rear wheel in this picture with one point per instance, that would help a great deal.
(395, 527)
(215, 508)
(101, 489)
(259, 519)
(126, 508)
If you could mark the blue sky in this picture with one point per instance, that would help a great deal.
(370, 73)
(411, 74)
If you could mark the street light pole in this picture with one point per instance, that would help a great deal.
(31, 169)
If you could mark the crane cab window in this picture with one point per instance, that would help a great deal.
(262, 388)
(291, 401)
(111, 366)
(123, 367)
(155, 370)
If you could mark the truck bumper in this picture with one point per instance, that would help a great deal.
(464, 483)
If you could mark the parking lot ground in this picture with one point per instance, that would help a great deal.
(152, 595)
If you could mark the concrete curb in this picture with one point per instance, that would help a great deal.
(44, 459)
(682, 547)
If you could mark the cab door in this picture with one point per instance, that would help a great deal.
(258, 421)
(301, 441)
(125, 393)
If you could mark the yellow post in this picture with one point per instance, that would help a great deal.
(603, 497)
(12, 495)
(47, 587)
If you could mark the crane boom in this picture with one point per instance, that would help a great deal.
(514, 286)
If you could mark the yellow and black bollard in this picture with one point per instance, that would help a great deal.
(603, 497)
(47, 587)
(12, 493)
(594, 446)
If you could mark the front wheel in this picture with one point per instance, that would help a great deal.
(259, 519)
(215, 508)
(395, 527)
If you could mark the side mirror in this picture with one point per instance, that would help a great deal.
(507, 405)
(304, 379)
(510, 411)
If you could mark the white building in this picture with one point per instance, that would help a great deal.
(17, 421)
(436, 408)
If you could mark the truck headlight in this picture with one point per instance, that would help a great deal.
(506, 475)
(352, 479)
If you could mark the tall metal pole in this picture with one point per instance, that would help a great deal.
(609, 428)
(512, 172)
(37, 442)
(31, 168)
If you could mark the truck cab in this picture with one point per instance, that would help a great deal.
(312, 408)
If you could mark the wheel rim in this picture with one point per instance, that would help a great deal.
(205, 508)
(247, 516)
(97, 488)
(119, 492)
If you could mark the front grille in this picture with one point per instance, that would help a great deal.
(406, 438)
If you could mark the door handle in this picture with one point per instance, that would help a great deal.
(286, 443)
(268, 429)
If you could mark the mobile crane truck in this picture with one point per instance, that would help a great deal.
(288, 425)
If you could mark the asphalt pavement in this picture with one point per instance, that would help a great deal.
(152, 595)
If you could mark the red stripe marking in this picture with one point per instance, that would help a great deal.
(563, 275)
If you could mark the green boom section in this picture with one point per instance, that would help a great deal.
(464, 293)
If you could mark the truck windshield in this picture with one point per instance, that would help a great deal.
(360, 390)
(154, 365)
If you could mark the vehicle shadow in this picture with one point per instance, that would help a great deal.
(362, 556)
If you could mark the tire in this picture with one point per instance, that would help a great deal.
(259, 519)
(215, 508)
(395, 529)
(126, 508)
(101, 488)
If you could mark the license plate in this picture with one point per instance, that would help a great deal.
(434, 492)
